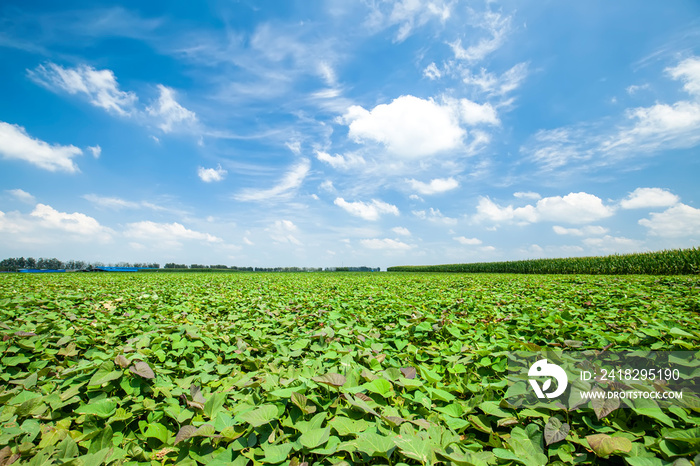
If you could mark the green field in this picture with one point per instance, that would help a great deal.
(326, 368)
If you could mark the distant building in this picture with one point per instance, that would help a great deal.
(41, 270)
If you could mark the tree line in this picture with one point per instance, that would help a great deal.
(13, 264)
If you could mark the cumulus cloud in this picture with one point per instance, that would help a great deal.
(17, 144)
(437, 185)
(367, 210)
(289, 182)
(386, 244)
(75, 223)
(169, 114)
(572, 208)
(100, 86)
(649, 197)
(584, 231)
(209, 175)
(467, 241)
(677, 221)
(21, 195)
(408, 127)
(435, 216)
(166, 235)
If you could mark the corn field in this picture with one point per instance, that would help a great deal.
(667, 262)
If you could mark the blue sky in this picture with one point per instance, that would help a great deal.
(376, 133)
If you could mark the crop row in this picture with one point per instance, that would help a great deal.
(325, 369)
(671, 262)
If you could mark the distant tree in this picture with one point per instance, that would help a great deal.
(171, 265)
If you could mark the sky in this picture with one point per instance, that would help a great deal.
(348, 133)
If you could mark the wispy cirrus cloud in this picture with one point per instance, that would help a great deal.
(21, 195)
(99, 86)
(642, 130)
(102, 90)
(497, 27)
(291, 181)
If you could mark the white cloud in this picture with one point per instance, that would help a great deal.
(649, 197)
(75, 223)
(633, 89)
(169, 114)
(289, 182)
(401, 231)
(527, 195)
(661, 126)
(616, 244)
(584, 231)
(282, 231)
(473, 114)
(437, 185)
(21, 195)
(435, 216)
(294, 146)
(688, 71)
(16, 143)
(493, 85)
(467, 241)
(408, 127)
(100, 86)
(247, 241)
(408, 15)
(432, 72)
(117, 203)
(572, 208)
(325, 70)
(677, 221)
(340, 161)
(497, 26)
(327, 186)
(367, 210)
(489, 210)
(166, 235)
(211, 174)
(386, 244)
(96, 151)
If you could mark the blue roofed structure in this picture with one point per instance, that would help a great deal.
(41, 270)
(117, 269)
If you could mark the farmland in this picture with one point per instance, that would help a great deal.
(401, 368)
